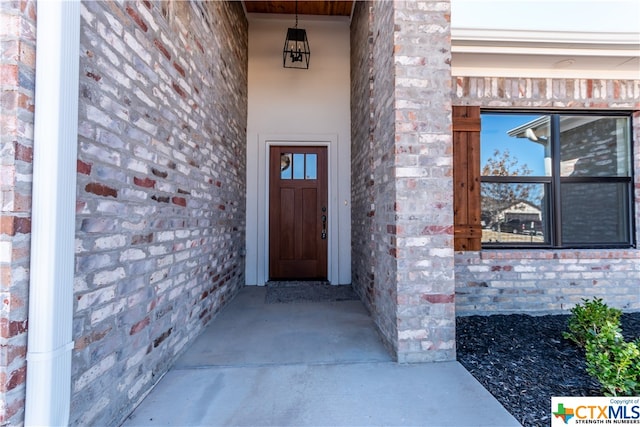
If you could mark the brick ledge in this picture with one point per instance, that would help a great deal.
(516, 254)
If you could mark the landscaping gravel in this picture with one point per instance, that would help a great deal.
(524, 360)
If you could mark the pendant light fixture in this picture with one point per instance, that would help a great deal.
(296, 51)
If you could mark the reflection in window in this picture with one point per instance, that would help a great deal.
(566, 176)
(594, 212)
(285, 166)
(298, 166)
(311, 166)
(515, 212)
(594, 146)
(515, 145)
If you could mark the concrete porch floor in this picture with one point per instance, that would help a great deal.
(309, 364)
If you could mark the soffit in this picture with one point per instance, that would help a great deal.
(545, 66)
(560, 54)
(327, 8)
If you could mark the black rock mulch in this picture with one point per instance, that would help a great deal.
(524, 360)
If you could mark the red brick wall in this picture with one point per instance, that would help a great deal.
(161, 191)
(363, 188)
(373, 192)
(17, 74)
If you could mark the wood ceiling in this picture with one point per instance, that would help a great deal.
(328, 7)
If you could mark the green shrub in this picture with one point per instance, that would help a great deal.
(587, 320)
(614, 362)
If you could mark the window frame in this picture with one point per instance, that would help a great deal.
(554, 215)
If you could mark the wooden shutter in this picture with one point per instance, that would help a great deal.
(466, 176)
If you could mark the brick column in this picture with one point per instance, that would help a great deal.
(402, 216)
(423, 182)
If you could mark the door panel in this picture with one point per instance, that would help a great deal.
(297, 221)
(286, 232)
(308, 221)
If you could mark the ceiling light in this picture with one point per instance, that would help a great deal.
(296, 53)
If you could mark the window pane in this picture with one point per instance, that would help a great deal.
(285, 166)
(311, 167)
(595, 213)
(515, 213)
(298, 166)
(515, 145)
(594, 146)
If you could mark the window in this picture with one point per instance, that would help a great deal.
(555, 180)
(298, 166)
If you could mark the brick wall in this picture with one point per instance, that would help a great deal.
(423, 230)
(401, 173)
(161, 187)
(17, 74)
(362, 201)
(382, 147)
(542, 281)
(551, 281)
(373, 190)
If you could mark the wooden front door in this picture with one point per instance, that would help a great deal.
(298, 213)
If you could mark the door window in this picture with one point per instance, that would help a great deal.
(298, 166)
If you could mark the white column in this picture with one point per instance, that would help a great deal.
(53, 214)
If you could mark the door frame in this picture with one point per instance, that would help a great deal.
(318, 140)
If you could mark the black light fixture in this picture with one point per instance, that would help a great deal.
(296, 51)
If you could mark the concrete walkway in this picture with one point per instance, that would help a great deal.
(309, 364)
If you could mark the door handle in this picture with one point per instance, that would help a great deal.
(323, 233)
